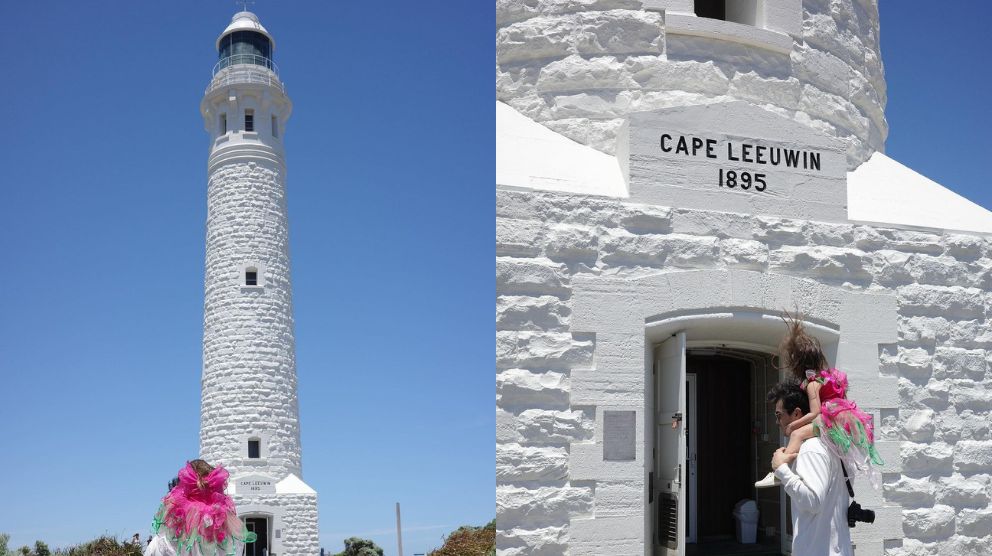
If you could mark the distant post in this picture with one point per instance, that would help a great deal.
(399, 531)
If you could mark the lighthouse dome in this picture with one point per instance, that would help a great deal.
(245, 21)
(245, 42)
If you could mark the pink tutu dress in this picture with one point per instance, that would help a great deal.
(195, 521)
(845, 430)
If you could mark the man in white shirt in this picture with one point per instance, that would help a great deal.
(814, 481)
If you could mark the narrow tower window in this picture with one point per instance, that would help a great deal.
(223, 124)
(275, 127)
(249, 120)
(251, 277)
(254, 449)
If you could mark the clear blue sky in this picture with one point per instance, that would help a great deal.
(936, 66)
(391, 158)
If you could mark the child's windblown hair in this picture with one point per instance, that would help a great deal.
(800, 351)
(202, 469)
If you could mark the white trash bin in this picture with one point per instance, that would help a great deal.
(746, 517)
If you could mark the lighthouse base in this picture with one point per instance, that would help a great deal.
(282, 514)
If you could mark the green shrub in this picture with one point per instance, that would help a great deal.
(469, 541)
(355, 546)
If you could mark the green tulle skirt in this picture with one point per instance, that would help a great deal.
(196, 544)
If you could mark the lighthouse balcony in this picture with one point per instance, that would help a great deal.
(245, 68)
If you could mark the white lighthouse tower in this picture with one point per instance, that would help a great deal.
(249, 420)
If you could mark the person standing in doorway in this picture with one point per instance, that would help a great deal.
(814, 481)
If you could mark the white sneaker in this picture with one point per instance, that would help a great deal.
(769, 481)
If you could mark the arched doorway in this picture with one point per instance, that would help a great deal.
(712, 434)
(628, 318)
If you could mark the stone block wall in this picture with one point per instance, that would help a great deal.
(249, 364)
(300, 536)
(581, 66)
(935, 417)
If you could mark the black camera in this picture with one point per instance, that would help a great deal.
(856, 513)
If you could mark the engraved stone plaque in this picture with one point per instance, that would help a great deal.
(735, 157)
(619, 430)
(255, 484)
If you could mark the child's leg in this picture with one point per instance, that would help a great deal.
(795, 441)
(799, 436)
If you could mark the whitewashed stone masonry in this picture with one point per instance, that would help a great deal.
(573, 277)
(580, 67)
(249, 379)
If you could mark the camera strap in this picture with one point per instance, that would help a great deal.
(850, 490)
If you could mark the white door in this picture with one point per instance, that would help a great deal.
(670, 447)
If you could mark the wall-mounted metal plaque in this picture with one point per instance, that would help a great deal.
(619, 430)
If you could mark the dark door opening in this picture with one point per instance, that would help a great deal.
(259, 526)
(726, 408)
(724, 459)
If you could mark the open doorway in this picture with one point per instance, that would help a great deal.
(729, 437)
(259, 526)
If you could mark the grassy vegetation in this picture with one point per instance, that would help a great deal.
(464, 541)
(103, 546)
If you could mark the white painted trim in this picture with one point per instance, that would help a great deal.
(292, 484)
(749, 35)
(692, 423)
(916, 228)
(885, 193)
(669, 6)
(664, 325)
(751, 346)
(531, 156)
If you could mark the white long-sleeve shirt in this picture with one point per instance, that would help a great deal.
(819, 502)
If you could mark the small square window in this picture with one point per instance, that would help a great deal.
(251, 278)
(254, 449)
(249, 120)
